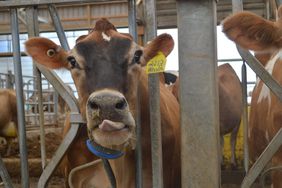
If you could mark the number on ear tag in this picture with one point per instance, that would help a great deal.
(156, 64)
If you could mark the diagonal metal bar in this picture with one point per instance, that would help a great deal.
(5, 175)
(69, 98)
(263, 159)
(257, 67)
(69, 138)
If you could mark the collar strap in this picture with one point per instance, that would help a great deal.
(101, 151)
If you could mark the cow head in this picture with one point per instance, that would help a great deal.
(105, 66)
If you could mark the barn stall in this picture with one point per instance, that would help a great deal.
(81, 15)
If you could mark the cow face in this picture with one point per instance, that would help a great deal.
(105, 66)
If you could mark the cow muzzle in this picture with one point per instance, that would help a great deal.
(109, 120)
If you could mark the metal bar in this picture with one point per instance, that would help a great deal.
(199, 119)
(154, 100)
(58, 26)
(278, 2)
(132, 19)
(245, 117)
(9, 81)
(20, 3)
(237, 6)
(32, 28)
(58, 156)
(230, 60)
(69, 138)
(20, 102)
(263, 159)
(256, 66)
(5, 175)
(138, 150)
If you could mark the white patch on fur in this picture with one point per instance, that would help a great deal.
(106, 37)
(265, 92)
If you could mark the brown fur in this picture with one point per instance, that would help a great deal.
(124, 167)
(8, 113)
(255, 33)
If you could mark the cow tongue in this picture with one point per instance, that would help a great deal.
(108, 125)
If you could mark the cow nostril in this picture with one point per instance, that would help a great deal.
(93, 105)
(121, 104)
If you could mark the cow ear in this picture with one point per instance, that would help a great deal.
(252, 32)
(163, 43)
(46, 52)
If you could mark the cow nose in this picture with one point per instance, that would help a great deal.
(107, 100)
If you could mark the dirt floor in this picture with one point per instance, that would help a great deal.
(52, 140)
(12, 162)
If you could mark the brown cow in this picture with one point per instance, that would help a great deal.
(230, 106)
(255, 33)
(107, 67)
(8, 116)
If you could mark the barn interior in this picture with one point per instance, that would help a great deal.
(45, 97)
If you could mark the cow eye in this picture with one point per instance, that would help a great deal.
(72, 61)
(137, 55)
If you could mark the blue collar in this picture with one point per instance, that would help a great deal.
(101, 151)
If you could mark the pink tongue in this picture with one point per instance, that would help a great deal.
(108, 125)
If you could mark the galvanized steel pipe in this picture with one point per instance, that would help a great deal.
(33, 30)
(154, 100)
(138, 150)
(20, 97)
(200, 161)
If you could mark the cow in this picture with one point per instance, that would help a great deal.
(106, 67)
(230, 106)
(8, 117)
(264, 37)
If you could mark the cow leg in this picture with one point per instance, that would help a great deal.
(9, 146)
(222, 151)
(233, 141)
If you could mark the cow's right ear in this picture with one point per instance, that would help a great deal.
(46, 52)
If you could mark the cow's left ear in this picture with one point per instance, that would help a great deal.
(163, 43)
(46, 52)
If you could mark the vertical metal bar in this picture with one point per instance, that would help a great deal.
(33, 30)
(138, 151)
(267, 9)
(154, 101)
(132, 19)
(237, 5)
(199, 120)
(19, 92)
(245, 117)
(58, 26)
(9, 80)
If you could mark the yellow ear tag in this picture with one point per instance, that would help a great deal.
(156, 64)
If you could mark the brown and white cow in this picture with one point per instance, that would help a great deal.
(264, 37)
(230, 106)
(8, 116)
(106, 67)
